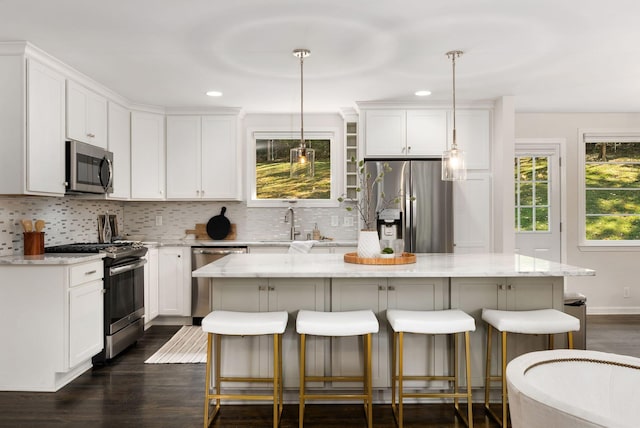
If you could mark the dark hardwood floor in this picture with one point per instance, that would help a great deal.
(129, 393)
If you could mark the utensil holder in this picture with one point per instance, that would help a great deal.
(33, 243)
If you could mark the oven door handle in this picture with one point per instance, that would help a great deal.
(121, 269)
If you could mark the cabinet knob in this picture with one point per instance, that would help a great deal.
(90, 135)
(381, 288)
(509, 287)
(391, 288)
(262, 287)
(409, 148)
(500, 287)
(271, 288)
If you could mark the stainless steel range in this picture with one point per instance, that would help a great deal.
(124, 292)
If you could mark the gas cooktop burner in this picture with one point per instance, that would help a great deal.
(111, 249)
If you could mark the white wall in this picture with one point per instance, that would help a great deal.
(615, 269)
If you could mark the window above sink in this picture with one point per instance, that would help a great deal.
(279, 172)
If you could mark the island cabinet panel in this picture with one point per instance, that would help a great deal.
(526, 293)
(253, 355)
(428, 354)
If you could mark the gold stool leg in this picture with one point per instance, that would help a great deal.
(467, 352)
(570, 339)
(367, 381)
(456, 386)
(487, 373)
(551, 344)
(401, 379)
(302, 381)
(207, 383)
(276, 380)
(394, 373)
(281, 385)
(504, 380)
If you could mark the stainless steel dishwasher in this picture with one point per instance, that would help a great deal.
(200, 292)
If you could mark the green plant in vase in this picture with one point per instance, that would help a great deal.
(368, 187)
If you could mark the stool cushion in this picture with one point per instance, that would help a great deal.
(541, 321)
(245, 323)
(430, 322)
(350, 323)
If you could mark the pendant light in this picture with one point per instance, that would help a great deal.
(453, 167)
(302, 158)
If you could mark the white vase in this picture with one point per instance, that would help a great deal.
(368, 244)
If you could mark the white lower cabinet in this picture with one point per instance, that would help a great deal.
(151, 285)
(473, 294)
(252, 355)
(86, 322)
(428, 354)
(52, 323)
(174, 281)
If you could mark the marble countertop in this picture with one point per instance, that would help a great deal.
(427, 265)
(50, 259)
(241, 243)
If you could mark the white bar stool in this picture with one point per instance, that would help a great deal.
(451, 321)
(228, 323)
(541, 321)
(350, 323)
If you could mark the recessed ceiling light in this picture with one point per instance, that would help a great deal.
(423, 93)
(214, 93)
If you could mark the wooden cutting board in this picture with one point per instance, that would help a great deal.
(201, 232)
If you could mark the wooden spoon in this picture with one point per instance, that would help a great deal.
(27, 225)
(39, 225)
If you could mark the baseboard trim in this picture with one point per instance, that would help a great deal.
(613, 310)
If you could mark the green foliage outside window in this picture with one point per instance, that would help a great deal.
(273, 180)
(612, 191)
(531, 194)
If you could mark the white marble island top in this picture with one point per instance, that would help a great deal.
(427, 265)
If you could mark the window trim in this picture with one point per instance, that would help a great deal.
(337, 160)
(599, 135)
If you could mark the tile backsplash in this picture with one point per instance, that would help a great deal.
(67, 219)
(72, 219)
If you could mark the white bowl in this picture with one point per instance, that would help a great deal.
(387, 256)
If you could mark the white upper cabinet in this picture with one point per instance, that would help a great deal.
(385, 132)
(147, 156)
(45, 130)
(32, 119)
(426, 132)
(398, 132)
(120, 144)
(184, 134)
(86, 115)
(220, 158)
(473, 134)
(202, 157)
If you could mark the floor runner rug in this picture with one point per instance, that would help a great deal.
(188, 345)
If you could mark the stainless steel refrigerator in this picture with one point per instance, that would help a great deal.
(426, 202)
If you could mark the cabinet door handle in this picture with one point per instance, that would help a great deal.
(90, 135)
(262, 287)
(500, 287)
(391, 288)
(509, 287)
(271, 288)
(409, 149)
(91, 272)
(381, 288)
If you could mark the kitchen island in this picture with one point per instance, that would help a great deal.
(266, 282)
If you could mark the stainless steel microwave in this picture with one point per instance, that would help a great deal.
(89, 169)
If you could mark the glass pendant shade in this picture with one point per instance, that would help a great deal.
(302, 162)
(453, 165)
(302, 159)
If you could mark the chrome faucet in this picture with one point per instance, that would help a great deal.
(291, 215)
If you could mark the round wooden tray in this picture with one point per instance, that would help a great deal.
(404, 259)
